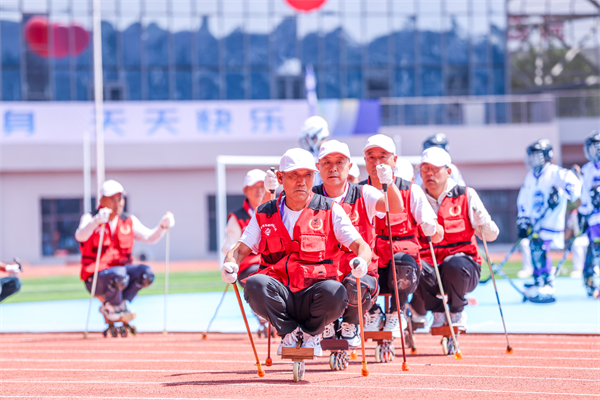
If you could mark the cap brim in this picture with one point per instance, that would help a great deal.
(376, 145)
(295, 168)
(333, 152)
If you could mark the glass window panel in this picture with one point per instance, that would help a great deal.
(377, 6)
(479, 81)
(331, 40)
(206, 7)
(182, 41)
(68, 206)
(430, 6)
(331, 6)
(235, 85)
(430, 39)
(46, 207)
(584, 7)
(457, 40)
(404, 40)
(10, 5)
(181, 7)
(457, 81)
(284, 41)
(378, 84)
(108, 8)
(404, 6)
(156, 7)
(131, 40)
(353, 38)
(11, 84)
(64, 237)
(130, 11)
(158, 83)
(233, 6)
(35, 6)
(499, 84)
(479, 7)
(308, 35)
(133, 79)
(404, 82)
(234, 41)
(258, 6)
(157, 43)
(329, 84)
(10, 39)
(62, 37)
(57, 5)
(459, 6)
(498, 39)
(81, 7)
(498, 6)
(62, 84)
(47, 241)
(183, 84)
(109, 43)
(110, 74)
(257, 29)
(208, 48)
(377, 31)
(431, 82)
(260, 85)
(83, 82)
(282, 8)
(354, 83)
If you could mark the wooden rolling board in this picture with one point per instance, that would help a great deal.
(379, 335)
(334, 344)
(445, 331)
(295, 354)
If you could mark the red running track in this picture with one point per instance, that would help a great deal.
(183, 366)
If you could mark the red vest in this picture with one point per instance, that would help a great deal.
(242, 216)
(116, 249)
(405, 230)
(354, 205)
(312, 256)
(459, 235)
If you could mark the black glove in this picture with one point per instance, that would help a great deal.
(524, 226)
(553, 199)
(582, 221)
(595, 195)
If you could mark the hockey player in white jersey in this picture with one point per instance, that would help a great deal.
(542, 205)
(440, 140)
(589, 210)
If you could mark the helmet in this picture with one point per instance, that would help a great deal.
(437, 140)
(538, 154)
(591, 148)
(312, 134)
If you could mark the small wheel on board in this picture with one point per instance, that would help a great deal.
(113, 331)
(445, 346)
(392, 353)
(298, 371)
(344, 360)
(333, 361)
(123, 331)
(451, 347)
(105, 333)
(132, 330)
(378, 354)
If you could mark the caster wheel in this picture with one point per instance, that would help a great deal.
(451, 347)
(378, 354)
(344, 360)
(392, 353)
(298, 371)
(445, 346)
(105, 333)
(123, 331)
(113, 331)
(333, 361)
(132, 330)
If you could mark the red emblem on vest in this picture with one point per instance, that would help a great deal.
(125, 229)
(455, 211)
(268, 231)
(316, 224)
(354, 217)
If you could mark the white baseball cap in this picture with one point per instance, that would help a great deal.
(297, 158)
(354, 171)
(379, 140)
(436, 156)
(254, 176)
(334, 146)
(110, 188)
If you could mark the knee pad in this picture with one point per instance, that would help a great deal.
(146, 279)
(538, 253)
(350, 285)
(407, 275)
(118, 283)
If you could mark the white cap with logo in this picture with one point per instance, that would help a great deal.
(254, 176)
(436, 156)
(383, 141)
(297, 158)
(110, 188)
(334, 146)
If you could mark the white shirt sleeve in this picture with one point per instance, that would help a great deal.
(344, 231)
(490, 229)
(371, 196)
(86, 228)
(144, 234)
(570, 183)
(233, 232)
(251, 235)
(422, 211)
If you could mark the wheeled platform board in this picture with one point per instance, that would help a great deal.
(339, 357)
(298, 355)
(124, 329)
(448, 345)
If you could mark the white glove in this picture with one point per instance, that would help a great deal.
(13, 269)
(481, 217)
(271, 182)
(103, 216)
(360, 270)
(385, 174)
(167, 221)
(229, 272)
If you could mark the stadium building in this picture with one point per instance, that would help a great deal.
(188, 80)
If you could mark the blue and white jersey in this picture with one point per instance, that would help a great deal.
(590, 173)
(533, 200)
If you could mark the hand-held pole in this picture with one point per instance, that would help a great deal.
(365, 371)
(94, 280)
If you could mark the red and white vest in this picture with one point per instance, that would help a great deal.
(459, 235)
(242, 217)
(312, 256)
(354, 205)
(405, 231)
(116, 248)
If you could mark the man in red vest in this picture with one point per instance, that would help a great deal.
(462, 214)
(299, 237)
(418, 216)
(118, 279)
(361, 203)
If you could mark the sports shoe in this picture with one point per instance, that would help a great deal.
(374, 321)
(329, 331)
(111, 313)
(415, 317)
(524, 274)
(313, 342)
(350, 333)
(576, 274)
(392, 324)
(590, 286)
(289, 340)
(439, 319)
(128, 314)
(459, 319)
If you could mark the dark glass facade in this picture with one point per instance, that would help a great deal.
(253, 49)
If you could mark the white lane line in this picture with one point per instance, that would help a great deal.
(270, 371)
(453, 364)
(302, 387)
(105, 397)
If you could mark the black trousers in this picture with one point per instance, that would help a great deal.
(408, 275)
(118, 283)
(369, 292)
(8, 286)
(460, 275)
(246, 273)
(310, 309)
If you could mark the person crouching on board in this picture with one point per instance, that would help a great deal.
(118, 279)
(462, 215)
(299, 237)
(10, 284)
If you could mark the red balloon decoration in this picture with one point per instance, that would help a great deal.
(305, 5)
(37, 37)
